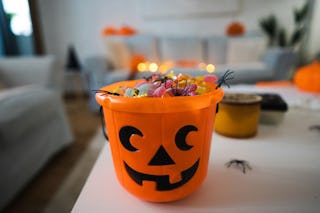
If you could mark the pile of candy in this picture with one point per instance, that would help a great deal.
(169, 85)
(159, 85)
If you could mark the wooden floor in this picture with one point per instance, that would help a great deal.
(41, 189)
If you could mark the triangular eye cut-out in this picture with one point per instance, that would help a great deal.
(161, 158)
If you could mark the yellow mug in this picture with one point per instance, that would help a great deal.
(238, 115)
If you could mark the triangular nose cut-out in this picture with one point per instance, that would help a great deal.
(161, 158)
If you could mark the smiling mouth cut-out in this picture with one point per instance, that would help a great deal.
(162, 181)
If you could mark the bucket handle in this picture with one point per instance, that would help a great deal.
(219, 94)
(103, 124)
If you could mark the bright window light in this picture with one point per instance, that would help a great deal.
(20, 22)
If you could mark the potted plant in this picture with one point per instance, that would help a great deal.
(278, 35)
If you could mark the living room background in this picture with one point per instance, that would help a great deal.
(80, 23)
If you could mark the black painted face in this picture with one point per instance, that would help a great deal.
(160, 158)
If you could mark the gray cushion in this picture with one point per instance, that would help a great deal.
(22, 109)
(216, 49)
(146, 45)
(182, 49)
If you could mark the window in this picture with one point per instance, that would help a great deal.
(20, 21)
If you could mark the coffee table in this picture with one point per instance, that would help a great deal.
(285, 175)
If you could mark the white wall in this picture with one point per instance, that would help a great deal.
(313, 46)
(80, 22)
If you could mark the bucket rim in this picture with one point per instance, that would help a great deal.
(156, 104)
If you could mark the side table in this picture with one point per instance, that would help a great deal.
(75, 83)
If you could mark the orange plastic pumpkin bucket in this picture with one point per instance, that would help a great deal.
(160, 146)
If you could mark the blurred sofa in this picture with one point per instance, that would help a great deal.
(33, 123)
(248, 56)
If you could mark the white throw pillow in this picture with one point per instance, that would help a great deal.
(145, 45)
(121, 49)
(245, 49)
(117, 52)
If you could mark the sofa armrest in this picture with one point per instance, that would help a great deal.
(281, 61)
(40, 70)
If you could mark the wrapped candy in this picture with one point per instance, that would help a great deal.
(159, 85)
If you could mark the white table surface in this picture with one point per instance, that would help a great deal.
(285, 175)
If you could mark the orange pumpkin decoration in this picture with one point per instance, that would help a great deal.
(126, 31)
(160, 149)
(135, 60)
(109, 31)
(307, 78)
(235, 29)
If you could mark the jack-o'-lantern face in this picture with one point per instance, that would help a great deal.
(161, 157)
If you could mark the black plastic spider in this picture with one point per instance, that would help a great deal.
(148, 78)
(105, 92)
(178, 91)
(175, 91)
(227, 76)
(240, 164)
(161, 80)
